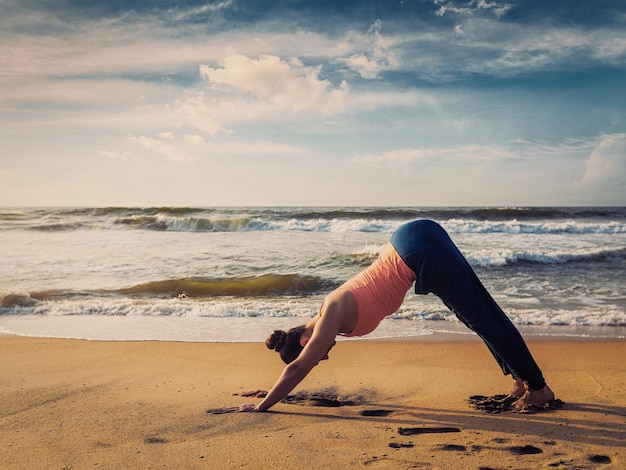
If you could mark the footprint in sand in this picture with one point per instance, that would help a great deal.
(325, 398)
(155, 440)
(493, 404)
(452, 447)
(525, 450)
(376, 412)
(397, 445)
(414, 431)
(328, 402)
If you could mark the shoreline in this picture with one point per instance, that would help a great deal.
(428, 338)
(256, 329)
(143, 404)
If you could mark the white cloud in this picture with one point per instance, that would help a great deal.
(101, 105)
(185, 13)
(483, 44)
(606, 165)
(367, 68)
(99, 91)
(542, 49)
(286, 84)
(408, 157)
(191, 148)
(259, 148)
(569, 146)
(171, 152)
(194, 140)
(233, 112)
(474, 6)
(114, 155)
(271, 89)
(499, 9)
(612, 48)
(197, 112)
(248, 91)
(6, 174)
(370, 64)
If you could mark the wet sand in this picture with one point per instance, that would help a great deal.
(390, 404)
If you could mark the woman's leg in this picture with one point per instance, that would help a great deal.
(441, 269)
(476, 308)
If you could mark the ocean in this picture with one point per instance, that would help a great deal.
(235, 274)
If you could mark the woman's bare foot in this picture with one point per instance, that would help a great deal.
(539, 398)
(518, 390)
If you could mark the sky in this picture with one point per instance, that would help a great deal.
(312, 103)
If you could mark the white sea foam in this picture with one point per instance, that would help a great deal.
(528, 312)
(454, 226)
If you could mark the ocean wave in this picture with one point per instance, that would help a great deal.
(121, 211)
(509, 257)
(265, 285)
(539, 228)
(11, 215)
(295, 310)
(245, 286)
(249, 224)
(446, 213)
(362, 258)
(384, 220)
(57, 227)
(11, 301)
(162, 222)
(608, 316)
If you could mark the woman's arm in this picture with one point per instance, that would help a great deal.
(338, 314)
(291, 376)
(323, 338)
(338, 309)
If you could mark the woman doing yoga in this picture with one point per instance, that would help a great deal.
(419, 252)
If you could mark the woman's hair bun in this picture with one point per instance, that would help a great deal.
(276, 340)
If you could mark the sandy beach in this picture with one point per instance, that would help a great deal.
(91, 404)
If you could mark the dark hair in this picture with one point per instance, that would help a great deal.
(286, 343)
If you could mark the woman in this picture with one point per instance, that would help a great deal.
(419, 252)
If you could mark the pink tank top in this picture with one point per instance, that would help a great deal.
(379, 290)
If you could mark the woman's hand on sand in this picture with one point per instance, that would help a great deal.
(254, 393)
(245, 408)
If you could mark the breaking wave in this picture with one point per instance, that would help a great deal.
(456, 220)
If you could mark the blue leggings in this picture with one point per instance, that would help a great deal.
(440, 268)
